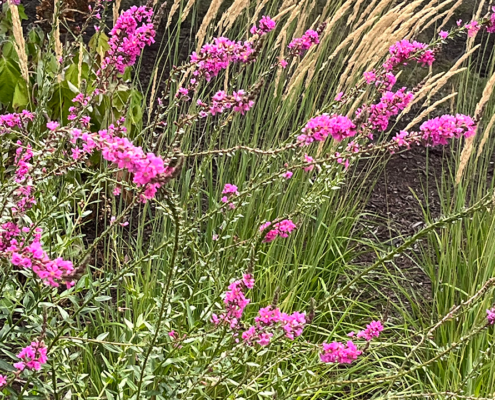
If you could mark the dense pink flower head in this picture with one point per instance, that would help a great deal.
(282, 229)
(341, 353)
(128, 38)
(490, 316)
(490, 28)
(266, 24)
(229, 188)
(404, 51)
(372, 330)
(32, 357)
(472, 28)
(299, 46)
(3, 380)
(318, 129)
(439, 130)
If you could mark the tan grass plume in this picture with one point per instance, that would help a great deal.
(19, 43)
(116, 10)
(231, 14)
(207, 20)
(172, 11)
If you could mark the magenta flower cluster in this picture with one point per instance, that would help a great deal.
(299, 46)
(32, 255)
(390, 105)
(490, 315)
(439, 130)
(383, 82)
(149, 171)
(217, 56)
(15, 120)
(32, 357)
(318, 129)
(266, 24)
(346, 353)
(228, 191)
(282, 229)
(238, 101)
(269, 321)
(235, 302)
(404, 51)
(132, 31)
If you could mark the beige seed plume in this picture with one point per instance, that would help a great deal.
(19, 43)
(173, 9)
(486, 134)
(430, 109)
(231, 14)
(209, 17)
(116, 10)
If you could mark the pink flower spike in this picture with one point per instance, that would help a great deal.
(52, 125)
(372, 330)
(490, 315)
(443, 34)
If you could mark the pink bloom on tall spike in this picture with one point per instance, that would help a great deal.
(370, 76)
(472, 28)
(443, 34)
(283, 63)
(490, 315)
(32, 357)
(337, 352)
(309, 159)
(318, 129)
(282, 229)
(404, 50)
(372, 330)
(438, 131)
(491, 25)
(248, 280)
(52, 125)
(266, 24)
(339, 96)
(299, 46)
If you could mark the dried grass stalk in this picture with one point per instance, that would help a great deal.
(354, 14)
(152, 96)
(229, 16)
(257, 11)
(430, 109)
(115, 10)
(187, 9)
(486, 134)
(450, 14)
(465, 156)
(19, 43)
(487, 92)
(295, 12)
(79, 64)
(207, 20)
(303, 19)
(173, 9)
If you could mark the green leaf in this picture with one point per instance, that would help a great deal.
(9, 77)
(21, 95)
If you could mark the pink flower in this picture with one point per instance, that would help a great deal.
(132, 31)
(491, 25)
(52, 125)
(339, 96)
(404, 50)
(116, 191)
(266, 24)
(76, 153)
(337, 352)
(282, 229)
(309, 159)
(3, 380)
(472, 28)
(33, 357)
(318, 129)
(370, 76)
(438, 131)
(372, 330)
(443, 34)
(287, 175)
(230, 189)
(248, 280)
(235, 301)
(283, 63)
(490, 315)
(172, 334)
(299, 46)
